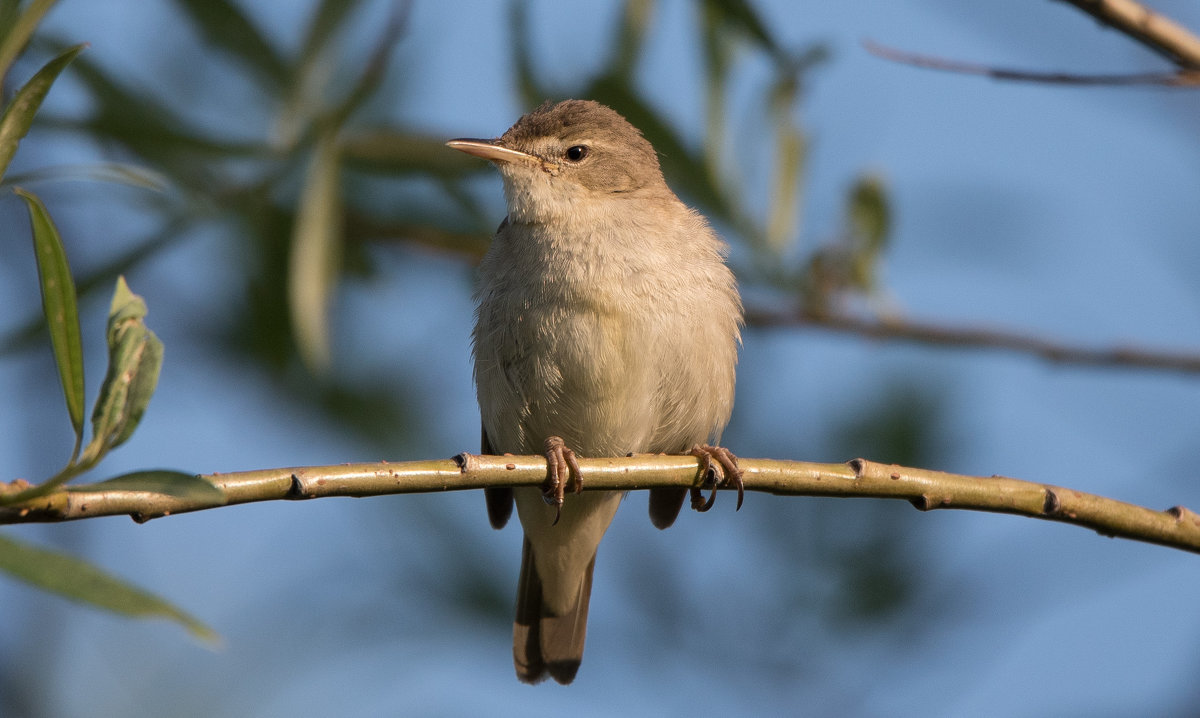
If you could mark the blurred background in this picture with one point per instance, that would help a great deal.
(847, 185)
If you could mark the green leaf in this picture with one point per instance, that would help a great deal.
(19, 32)
(18, 116)
(115, 172)
(224, 26)
(316, 242)
(394, 151)
(326, 20)
(869, 214)
(158, 481)
(59, 308)
(80, 581)
(372, 75)
(134, 360)
(530, 89)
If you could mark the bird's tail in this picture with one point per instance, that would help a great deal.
(544, 643)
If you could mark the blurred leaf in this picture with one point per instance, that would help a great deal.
(134, 360)
(159, 481)
(80, 581)
(316, 242)
(20, 29)
(790, 149)
(224, 26)
(18, 116)
(326, 20)
(116, 172)
(630, 39)
(391, 152)
(150, 130)
(869, 214)
(372, 75)
(25, 335)
(529, 89)
(869, 218)
(739, 15)
(58, 306)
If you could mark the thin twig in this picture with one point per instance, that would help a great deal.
(975, 338)
(1176, 527)
(1180, 78)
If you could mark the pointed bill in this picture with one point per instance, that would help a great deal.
(491, 150)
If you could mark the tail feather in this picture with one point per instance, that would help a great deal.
(545, 644)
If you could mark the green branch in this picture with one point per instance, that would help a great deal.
(1176, 527)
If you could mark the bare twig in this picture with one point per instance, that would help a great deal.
(1180, 78)
(1176, 527)
(1161, 34)
(974, 338)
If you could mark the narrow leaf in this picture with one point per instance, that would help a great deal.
(869, 214)
(18, 116)
(316, 241)
(59, 308)
(395, 151)
(115, 172)
(134, 360)
(159, 481)
(326, 20)
(225, 27)
(80, 581)
(17, 35)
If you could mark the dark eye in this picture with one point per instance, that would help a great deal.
(575, 153)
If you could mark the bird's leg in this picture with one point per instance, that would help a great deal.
(719, 467)
(561, 467)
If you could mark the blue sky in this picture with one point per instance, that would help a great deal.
(1068, 213)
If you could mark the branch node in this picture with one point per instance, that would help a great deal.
(858, 466)
(1051, 504)
(1183, 513)
(920, 503)
(297, 491)
(466, 462)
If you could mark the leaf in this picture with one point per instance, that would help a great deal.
(19, 32)
(530, 89)
(869, 214)
(59, 308)
(134, 360)
(316, 241)
(372, 75)
(18, 116)
(224, 26)
(80, 581)
(326, 20)
(158, 481)
(115, 172)
(394, 151)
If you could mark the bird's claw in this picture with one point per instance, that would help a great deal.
(719, 467)
(561, 468)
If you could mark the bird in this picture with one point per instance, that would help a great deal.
(607, 323)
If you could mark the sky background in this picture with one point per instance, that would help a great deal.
(1068, 213)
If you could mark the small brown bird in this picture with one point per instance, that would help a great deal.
(607, 323)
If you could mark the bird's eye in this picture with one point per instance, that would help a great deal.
(575, 153)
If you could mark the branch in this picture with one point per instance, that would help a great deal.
(972, 338)
(1159, 33)
(1184, 77)
(1177, 527)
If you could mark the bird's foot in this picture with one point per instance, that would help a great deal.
(719, 467)
(561, 468)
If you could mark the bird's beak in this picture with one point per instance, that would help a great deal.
(492, 151)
